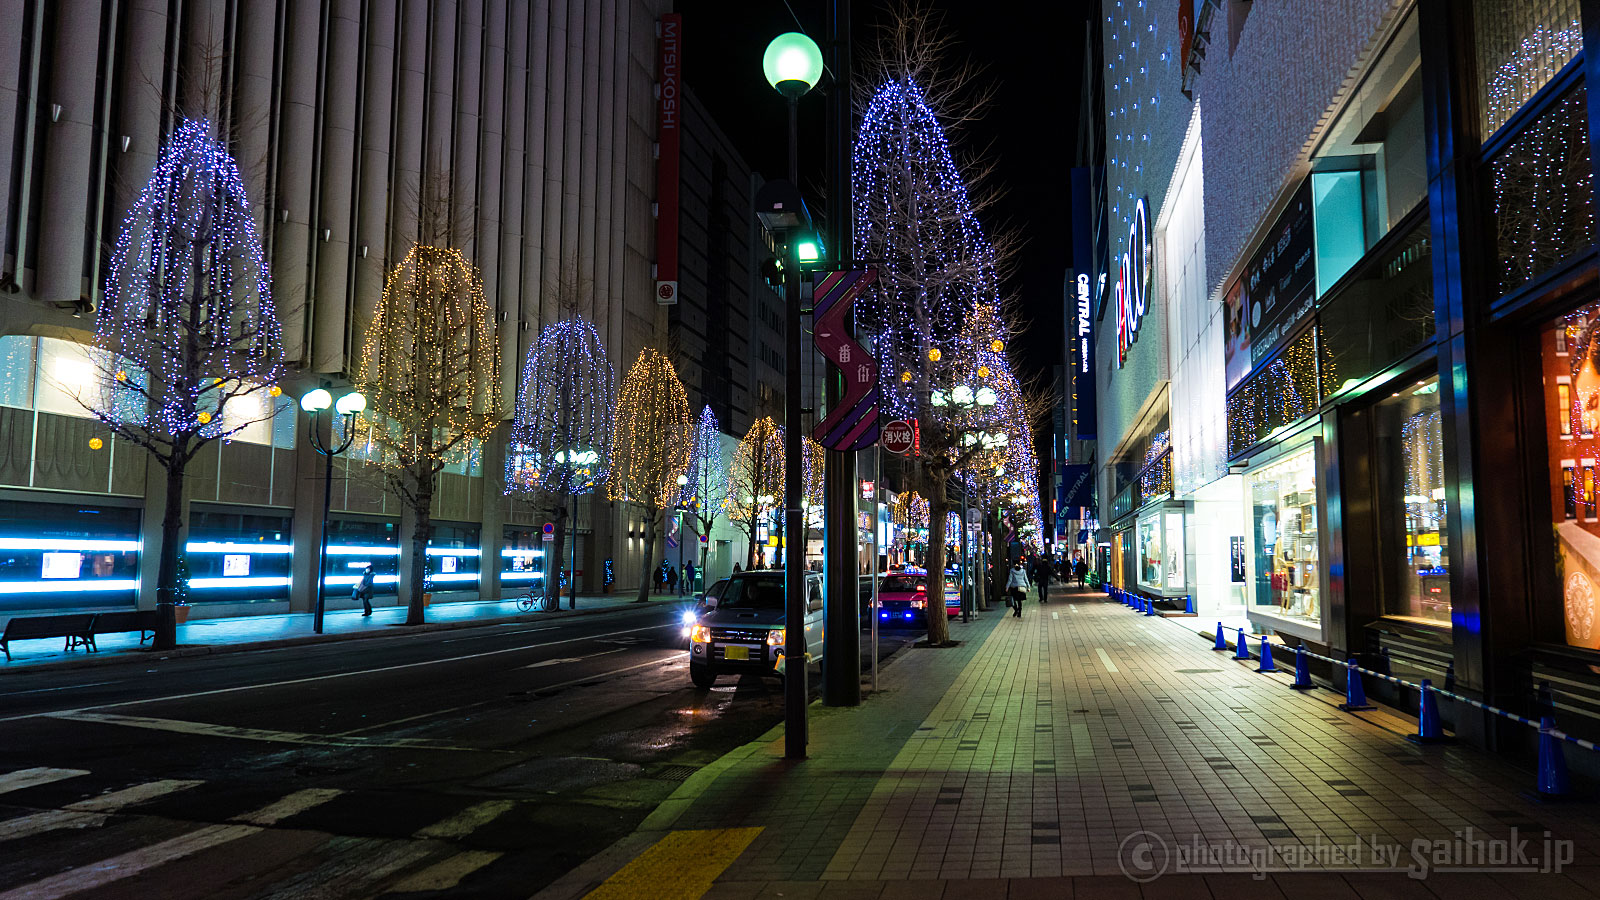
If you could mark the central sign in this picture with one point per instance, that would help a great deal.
(1133, 281)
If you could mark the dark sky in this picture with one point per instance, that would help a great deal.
(1032, 53)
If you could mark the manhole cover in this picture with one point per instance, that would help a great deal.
(674, 773)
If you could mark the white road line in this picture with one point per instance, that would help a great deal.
(394, 668)
(446, 874)
(569, 659)
(90, 813)
(27, 778)
(479, 637)
(292, 805)
(69, 687)
(1106, 658)
(129, 864)
(467, 821)
(207, 729)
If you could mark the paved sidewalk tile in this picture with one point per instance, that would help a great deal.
(1085, 751)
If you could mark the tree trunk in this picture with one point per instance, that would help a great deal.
(416, 612)
(750, 545)
(647, 569)
(938, 511)
(558, 555)
(166, 631)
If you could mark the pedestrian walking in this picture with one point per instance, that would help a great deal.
(1081, 569)
(1041, 580)
(363, 590)
(1017, 586)
(672, 581)
(688, 577)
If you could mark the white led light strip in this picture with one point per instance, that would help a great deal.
(231, 547)
(68, 544)
(63, 587)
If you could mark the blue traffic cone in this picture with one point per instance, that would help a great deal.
(1150, 607)
(1429, 730)
(1266, 657)
(1552, 762)
(1188, 604)
(1241, 650)
(1222, 640)
(1355, 696)
(1302, 670)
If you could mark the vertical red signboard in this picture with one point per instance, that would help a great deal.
(669, 121)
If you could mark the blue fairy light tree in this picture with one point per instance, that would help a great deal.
(187, 342)
(705, 494)
(561, 433)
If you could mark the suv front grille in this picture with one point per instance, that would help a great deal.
(739, 635)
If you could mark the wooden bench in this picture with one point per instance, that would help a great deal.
(140, 620)
(77, 628)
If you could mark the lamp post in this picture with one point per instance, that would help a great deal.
(793, 65)
(962, 399)
(314, 402)
(683, 506)
(580, 463)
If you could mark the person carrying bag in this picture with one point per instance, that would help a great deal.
(1017, 586)
(363, 591)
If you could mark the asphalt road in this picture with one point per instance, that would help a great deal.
(480, 762)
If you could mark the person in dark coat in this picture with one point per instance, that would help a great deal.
(1041, 580)
(672, 579)
(363, 590)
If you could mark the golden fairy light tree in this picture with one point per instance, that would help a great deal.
(755, 479)
(430, 369)
(653, 440)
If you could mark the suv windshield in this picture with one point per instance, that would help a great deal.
(901, 584)
(752, 593)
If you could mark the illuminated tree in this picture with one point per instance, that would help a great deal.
(756, 473)
(187, 341)
(430, 368)
(705, 494)
(913, 211)
(653, 441)
(561, 440)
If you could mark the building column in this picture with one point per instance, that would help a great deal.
(492, 538)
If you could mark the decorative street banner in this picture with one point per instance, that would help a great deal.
(668, 129)
(853, 423)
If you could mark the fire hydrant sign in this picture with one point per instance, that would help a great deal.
(853, 423)
(899, 436)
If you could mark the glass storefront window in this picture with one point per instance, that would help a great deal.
(68, 556)
(1161, 551)
(1570, 352)
(1414, 533)
(1521, 44)
(1543, 209)
(238, 557)
(1283, 513)
(1150, 558)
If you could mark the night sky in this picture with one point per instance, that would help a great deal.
(1032, 52)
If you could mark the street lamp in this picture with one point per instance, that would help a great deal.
(793, 65)
(580, 463)
(314, 402)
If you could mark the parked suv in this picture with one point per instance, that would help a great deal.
(744, 630)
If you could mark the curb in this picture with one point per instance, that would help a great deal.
(192, 650)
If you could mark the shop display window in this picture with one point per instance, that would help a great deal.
(68, 556)
(238, 557)
(1161, 549)
(1283, 511)
(1521, 45)
(1150, 559)
(1570, 353)
(1540, 188)
(1414, 530)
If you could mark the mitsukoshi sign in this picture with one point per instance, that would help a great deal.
(1133, 282)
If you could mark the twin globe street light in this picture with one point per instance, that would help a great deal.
(314, 402)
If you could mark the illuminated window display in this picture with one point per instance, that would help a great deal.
(1411, 495)
(1161, 550)
(68, 556)
(1572, 404)
(238, 557)
(1283, 511)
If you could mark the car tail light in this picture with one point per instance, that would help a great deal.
(920, 601)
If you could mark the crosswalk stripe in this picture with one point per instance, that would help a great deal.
(27, 778)
(208, 729)
(89, 813)
(129, 864)
(292, 805)
(467, 821)
(446, 874)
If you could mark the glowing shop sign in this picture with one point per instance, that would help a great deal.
(1083, 323)
(1133, 282)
